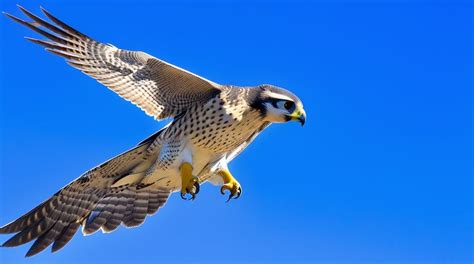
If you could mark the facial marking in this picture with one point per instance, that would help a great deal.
(277, 96)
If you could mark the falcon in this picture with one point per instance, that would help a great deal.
(211, 124)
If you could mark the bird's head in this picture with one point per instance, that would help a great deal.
(279, 105)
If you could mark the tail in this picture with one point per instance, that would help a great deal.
(93, 202)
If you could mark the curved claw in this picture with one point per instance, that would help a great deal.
(193, 195)
(189, 183)
(191, 191)
(197, 186)
(183, 196)
(226, 187)
(239, 192)
(235, 191)
(223, 188)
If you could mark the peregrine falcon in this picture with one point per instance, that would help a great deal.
(211, 124)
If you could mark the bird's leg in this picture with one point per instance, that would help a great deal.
(231, 184)
(189, 183)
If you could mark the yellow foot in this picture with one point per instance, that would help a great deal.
(231, 184)
(189, 183)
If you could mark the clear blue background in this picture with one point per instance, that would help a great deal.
(381, 172)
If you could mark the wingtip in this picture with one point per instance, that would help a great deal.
(31, 39)
(20, 7)
(31, 252)
(55, 249)
(44, 11)
(14, 18)
(4, 230)
(7, 243)
(7, 14)
(24, 10)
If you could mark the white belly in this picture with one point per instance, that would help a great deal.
(171, 177)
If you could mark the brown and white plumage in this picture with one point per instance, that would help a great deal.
(155, 86)
(57, 219)
(212, 125)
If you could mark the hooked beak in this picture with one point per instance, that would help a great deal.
(299, 116)
(302, 119)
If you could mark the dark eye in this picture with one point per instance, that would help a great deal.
(288, 105)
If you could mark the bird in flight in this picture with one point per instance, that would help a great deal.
(211, 124)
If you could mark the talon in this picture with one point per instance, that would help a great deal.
(189, 183)
(223, 188)
(196, 185)
(230, 184)
(239, 192)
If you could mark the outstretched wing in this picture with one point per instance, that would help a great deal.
(92, 201)
(160, 89)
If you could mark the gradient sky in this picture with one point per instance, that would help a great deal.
(381, 171)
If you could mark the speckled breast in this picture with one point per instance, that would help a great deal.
(220, 125)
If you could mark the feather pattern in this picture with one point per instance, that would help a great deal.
(92, 201)
(212, 125)
(160, 89)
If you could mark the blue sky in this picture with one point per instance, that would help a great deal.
(381, 171)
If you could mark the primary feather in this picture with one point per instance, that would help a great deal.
(157, 87)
